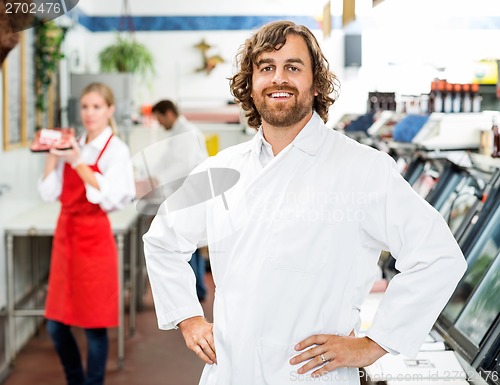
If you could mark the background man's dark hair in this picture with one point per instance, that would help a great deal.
(163, 106)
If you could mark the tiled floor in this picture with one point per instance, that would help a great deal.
(152, 356)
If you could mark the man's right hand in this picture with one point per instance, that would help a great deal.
(199, 337)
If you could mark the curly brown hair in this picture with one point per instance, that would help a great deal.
(270, 37)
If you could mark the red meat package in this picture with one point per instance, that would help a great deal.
(48, 138)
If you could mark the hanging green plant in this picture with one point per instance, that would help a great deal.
(49, 38)
(127, 55)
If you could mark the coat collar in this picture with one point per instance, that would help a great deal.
(98, 142)
(180, 125)
(308, 140)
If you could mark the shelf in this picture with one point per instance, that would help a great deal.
(485, 162)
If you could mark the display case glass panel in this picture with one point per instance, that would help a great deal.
(446, 189)
(427, 178)
(479, 259)
(483, 307)
(415, 169)
(458, 204)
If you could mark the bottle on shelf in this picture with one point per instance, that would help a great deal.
(467, 100)
(457, 98)
(476, 98)
(391, 102)
(423, 101)
(448, 98)
(383, 102)
(372, 102)
(432, 96)
(438, 98)
(496, 139)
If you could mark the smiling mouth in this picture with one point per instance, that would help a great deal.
(276, 95)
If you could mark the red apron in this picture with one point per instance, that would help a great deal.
(83, 280)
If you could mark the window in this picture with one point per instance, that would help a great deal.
(19, 94)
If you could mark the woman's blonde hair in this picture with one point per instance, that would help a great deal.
(108, 96)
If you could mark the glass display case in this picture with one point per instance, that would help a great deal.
(449, 179)
(483, 307)
(474, 306)
(414, 169)
(488, 359)
(458, 205)
(479, 259)
(426, 181)
(480, 214)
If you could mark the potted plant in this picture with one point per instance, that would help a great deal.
(48, 53)
(127, 55)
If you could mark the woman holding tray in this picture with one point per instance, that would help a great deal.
(92, 178)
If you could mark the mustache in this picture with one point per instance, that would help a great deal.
(270, 90)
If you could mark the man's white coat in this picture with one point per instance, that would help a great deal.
(294, 254)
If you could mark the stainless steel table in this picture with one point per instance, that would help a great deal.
(41, 221)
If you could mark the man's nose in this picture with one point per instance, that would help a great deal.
(280, 76)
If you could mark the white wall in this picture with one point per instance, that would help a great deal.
(176, 58)
(176, 62)
(74, 47)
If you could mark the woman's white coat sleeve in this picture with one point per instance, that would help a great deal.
(50, 187)
(116, 183)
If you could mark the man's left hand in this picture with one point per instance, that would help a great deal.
(328, 352)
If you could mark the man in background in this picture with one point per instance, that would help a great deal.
(184, 149)
(167, 114)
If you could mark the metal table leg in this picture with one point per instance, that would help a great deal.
(133, 278)
(121, 305)
(11, 327)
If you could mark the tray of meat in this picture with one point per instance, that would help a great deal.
(47, 138)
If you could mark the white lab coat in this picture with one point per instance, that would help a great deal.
(295, 253)
(172, 158)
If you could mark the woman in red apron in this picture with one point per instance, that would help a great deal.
(93, 177)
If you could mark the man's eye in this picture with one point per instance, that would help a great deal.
(266, 69)
(293, 69)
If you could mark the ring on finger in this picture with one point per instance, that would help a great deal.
(322, 356)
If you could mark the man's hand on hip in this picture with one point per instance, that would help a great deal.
(199, 337)
(327, 352)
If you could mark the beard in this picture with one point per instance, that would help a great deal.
(284, 114)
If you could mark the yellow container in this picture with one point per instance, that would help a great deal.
(212, 142)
